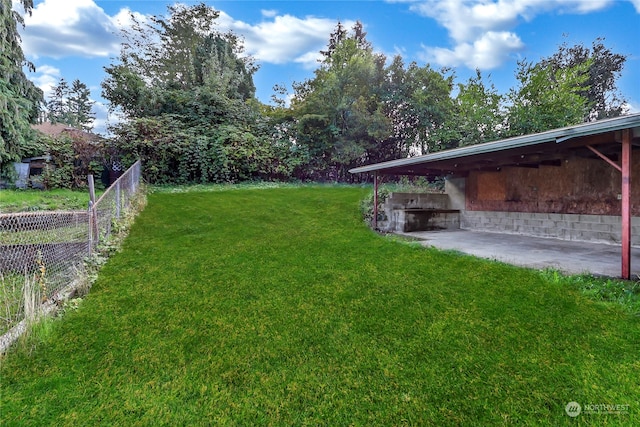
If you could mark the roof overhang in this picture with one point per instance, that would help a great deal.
(545, 148)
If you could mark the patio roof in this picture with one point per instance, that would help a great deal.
(550, 148)
(611, 140)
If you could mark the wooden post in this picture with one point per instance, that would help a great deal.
(90, 221)
(93, 220)
(92, 189)
(118, 202)
(626, 204)
(375, 200)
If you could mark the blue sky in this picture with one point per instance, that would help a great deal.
(77, 38)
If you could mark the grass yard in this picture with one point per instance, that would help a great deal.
(38, 200)
(280, 307)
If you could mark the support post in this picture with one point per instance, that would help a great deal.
(93, 221)
(375, 200)
(626, 204)
(90, 222)
(92, 189)
(118, 201)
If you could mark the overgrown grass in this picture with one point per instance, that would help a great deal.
(625, 293)
(38, 200)
(11, 300)
(280, 307)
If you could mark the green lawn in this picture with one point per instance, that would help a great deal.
(280, 307)
(38, 200)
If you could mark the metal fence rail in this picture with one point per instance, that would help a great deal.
(49, 247)
(113, 203)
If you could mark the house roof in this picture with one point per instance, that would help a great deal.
(57, 129)
(52, 129)
(550, 147)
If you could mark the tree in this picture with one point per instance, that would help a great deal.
(81, 106)
(340, 117)
(479, 114)
(71, 105)
(189, 98)
(604, 68)
(20, 99)
(357, 110)
(548, 97)
(58, 104)
(166, 62)
(418, 100)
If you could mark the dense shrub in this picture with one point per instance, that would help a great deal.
(72, 158)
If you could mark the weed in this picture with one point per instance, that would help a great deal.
(32, 299)
(69, 305)
(11, 300)
(625, 293)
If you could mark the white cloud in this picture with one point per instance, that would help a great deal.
(469, 19)
(269, 13)
(123, 18)
(46, 77)
(588, 6)
(60, 28)
(636, 4)
(309, 60)
(631, 107)
(283, 38)
(482, 30)
(487, 52)
(104, 118)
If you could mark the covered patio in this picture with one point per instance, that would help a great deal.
(570, 257)
(572, 183)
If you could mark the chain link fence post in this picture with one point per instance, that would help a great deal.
(56, 242)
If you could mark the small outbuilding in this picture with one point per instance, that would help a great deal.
(572, 183)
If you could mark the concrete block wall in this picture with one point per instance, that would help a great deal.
(417, 200)
(455, 188)
(593, 228)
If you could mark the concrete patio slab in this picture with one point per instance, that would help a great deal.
(570, 257)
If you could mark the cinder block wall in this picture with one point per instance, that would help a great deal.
(593, 228)
(417, 200)
(488, 202)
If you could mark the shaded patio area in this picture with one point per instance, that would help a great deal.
(570, 172)
(570, 257)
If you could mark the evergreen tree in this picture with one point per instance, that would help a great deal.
(20, 99)
(81, 113)
(340, 114)
(71, 105)
(58, 105)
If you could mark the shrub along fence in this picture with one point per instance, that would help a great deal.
(43, 252)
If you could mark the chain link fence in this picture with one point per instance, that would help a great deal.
(45, 251)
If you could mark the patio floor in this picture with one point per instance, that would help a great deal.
(571, 257)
